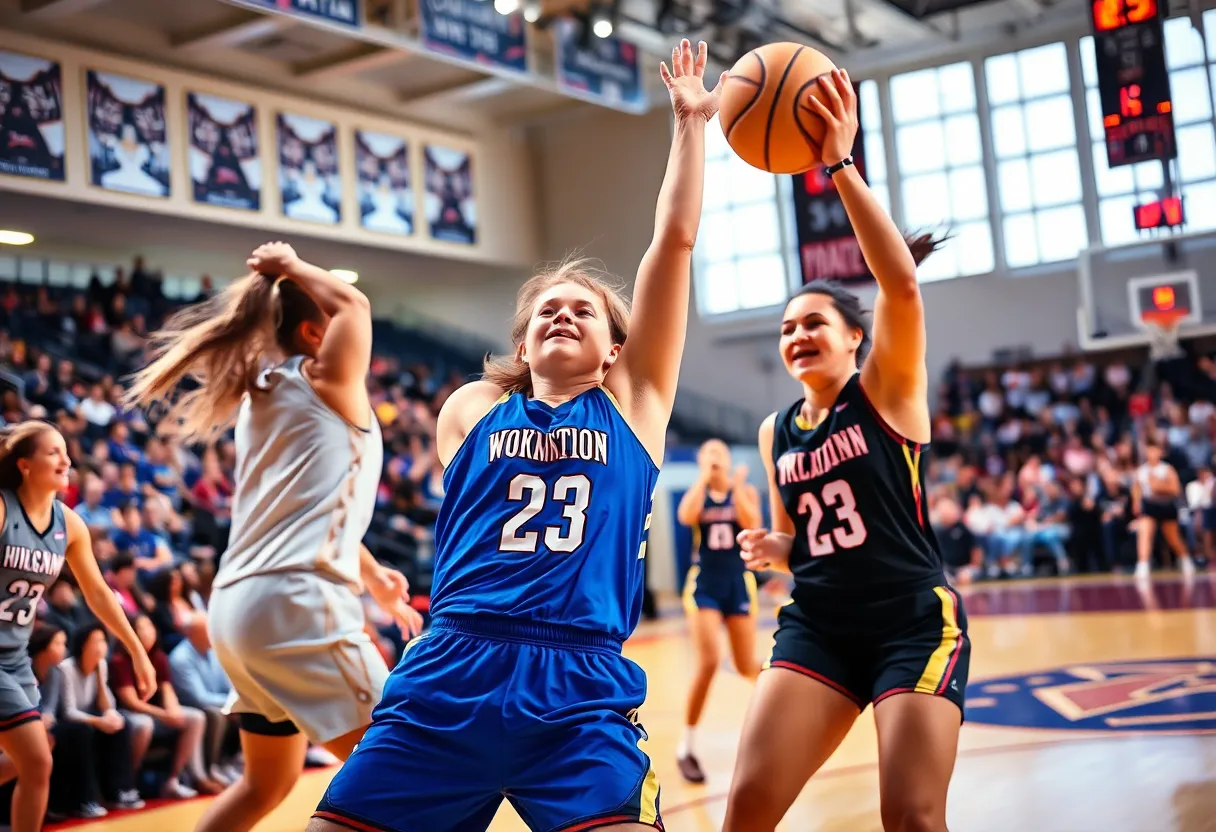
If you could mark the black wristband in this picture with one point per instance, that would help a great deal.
(839, 166)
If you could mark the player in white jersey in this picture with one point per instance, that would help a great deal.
(38, 536)
(285, 617)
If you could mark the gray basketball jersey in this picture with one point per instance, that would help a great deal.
(306, 482)
(31, 561)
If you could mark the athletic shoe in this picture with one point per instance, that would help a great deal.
(690, 769)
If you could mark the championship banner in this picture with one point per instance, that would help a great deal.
(605, 69)
(225, 168)
(31, 117)
(128, 143)
(310, 185)
(827, 247)
(451, 211)
(342, 12)
(473, 30)
(386, 194)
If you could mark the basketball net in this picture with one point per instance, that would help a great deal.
(1163, 334)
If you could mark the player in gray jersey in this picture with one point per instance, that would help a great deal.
(38, 536)
(284, 354)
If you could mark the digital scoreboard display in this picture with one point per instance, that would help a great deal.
(1160, 213)
(1133, 83)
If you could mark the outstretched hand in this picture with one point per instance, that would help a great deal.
(686, 82)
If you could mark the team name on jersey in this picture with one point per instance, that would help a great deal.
(841, 446)
(718, 514)
(563, 443)
(32, 560)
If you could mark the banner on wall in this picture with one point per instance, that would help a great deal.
(128, 142)
(31, 117)
(602, 68)
(451, 211)
(473, 30)
(827, 246)
(225, 168)
(386, 192)
(342, 12)
(310, 185)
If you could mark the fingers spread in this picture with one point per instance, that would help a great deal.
(702, 57)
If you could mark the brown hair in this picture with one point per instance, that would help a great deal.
(510, 372)
(18, 442)
(221, 343)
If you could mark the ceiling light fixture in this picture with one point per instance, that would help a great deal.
(15, 238)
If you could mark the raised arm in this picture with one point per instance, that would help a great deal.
(103, 602)
(649, 365)
(894, 374)
(340, 370)
(688, 511)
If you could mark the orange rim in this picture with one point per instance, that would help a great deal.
(1162, 320)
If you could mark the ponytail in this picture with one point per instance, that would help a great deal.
(220, 344)
(923, 244)
(18, 442)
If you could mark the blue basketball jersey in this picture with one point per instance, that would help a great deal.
(546, 515)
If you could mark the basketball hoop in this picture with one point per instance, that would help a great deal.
(1162, 325)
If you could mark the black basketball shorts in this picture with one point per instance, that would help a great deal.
(869, 651)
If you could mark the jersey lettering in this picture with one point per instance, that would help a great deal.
(572, 490)
(837, 494)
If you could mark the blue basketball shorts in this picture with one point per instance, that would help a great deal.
(730, 593)
(480, 709)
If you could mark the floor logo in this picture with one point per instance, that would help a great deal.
(1165, 695)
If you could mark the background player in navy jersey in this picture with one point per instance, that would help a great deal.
(520, 690)
(872, 619)
(39, 535)
(719, 586)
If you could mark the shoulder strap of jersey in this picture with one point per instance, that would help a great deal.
(782, 437)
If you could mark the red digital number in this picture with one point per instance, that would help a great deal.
(1129, 101)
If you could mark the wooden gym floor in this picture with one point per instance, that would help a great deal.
(1091, 708)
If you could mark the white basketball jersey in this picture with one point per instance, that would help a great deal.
(306, 482)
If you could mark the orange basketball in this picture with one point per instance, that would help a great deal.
(764, 114)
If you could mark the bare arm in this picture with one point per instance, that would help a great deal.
(644, 376)
(463, 409)
(747, 505)
(781, 519)
(688, 511)
(894, 375)
(340, 369)
(102, 601)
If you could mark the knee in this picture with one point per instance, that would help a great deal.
(265, 793)
(141, 726)
(34, 766)
(912, 816)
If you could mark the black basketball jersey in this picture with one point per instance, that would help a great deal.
(717, 543)
(853, 488)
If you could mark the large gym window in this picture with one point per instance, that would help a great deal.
(1192, 68)
(1034, 140)
(870, 112)
(738, 260)
(941, 169)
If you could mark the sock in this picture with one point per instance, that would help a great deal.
(684, 749)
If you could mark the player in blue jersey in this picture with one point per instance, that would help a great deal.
(719, 588)
(39, 535)
(520, 690)
(872, 618)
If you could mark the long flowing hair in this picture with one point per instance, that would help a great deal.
(221, 344)
(510, 372)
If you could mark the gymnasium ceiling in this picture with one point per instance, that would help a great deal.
(383, 68)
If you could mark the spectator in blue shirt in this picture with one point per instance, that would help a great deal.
(201, 683)
(156, 471)
(126, 491)
(91, 511)
(122, 449)
(150, 551)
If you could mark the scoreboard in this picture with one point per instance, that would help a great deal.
(1133, 82)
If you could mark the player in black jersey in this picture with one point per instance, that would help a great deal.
(719, 587)
(872, 616)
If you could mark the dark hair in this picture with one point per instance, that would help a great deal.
(42, 636)
(122, 560)
(81, 637)
(849, 306)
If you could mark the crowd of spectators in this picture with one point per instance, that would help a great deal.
(159, 513)
(1039, 469)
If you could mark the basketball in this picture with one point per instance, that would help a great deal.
(763, 113)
